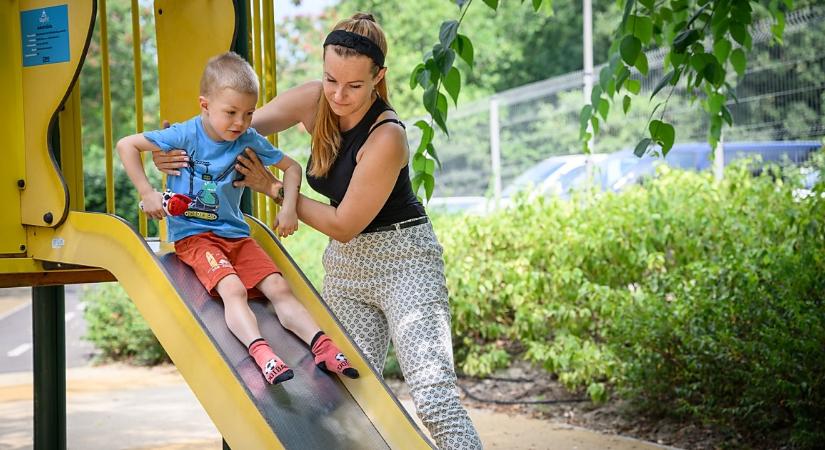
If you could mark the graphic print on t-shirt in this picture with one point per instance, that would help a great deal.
(206, 203)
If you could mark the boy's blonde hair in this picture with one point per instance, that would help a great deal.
(228, 70)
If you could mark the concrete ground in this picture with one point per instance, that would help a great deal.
(118, 407)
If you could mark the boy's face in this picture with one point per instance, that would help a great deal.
(228, 113)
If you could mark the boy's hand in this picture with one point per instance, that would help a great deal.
(286, 222)
(152, 205)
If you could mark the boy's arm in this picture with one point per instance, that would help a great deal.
(292, 182)
(129, 149)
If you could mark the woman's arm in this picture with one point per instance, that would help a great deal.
(296, 105)
(382, 156)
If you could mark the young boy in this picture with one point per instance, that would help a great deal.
(212, 236)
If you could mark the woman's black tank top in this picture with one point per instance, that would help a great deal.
(402, 203)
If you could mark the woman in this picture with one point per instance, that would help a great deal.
(384, 266)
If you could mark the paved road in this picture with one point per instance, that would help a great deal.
(118, 407)
(16, 330)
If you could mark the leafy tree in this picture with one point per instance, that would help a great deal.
(707, 41)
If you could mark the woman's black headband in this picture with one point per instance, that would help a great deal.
(360, 44)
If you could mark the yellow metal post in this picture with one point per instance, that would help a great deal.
(269, 66)
(138, 72)
(12, 171)
(107, 108)
(71, 149)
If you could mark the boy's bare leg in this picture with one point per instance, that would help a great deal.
(292, 314)
(296, 318)
(239, 318)
(241, 321)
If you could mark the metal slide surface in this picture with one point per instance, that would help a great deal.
(313, 410)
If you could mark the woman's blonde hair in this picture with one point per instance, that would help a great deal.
(326, 135)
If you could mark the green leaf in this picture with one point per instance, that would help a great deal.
(594, 120)
(739, 33)
(417, 181)
(679, 5)
(663, 133)
(432, 153)
(778, 29)
(641, 27)
(683, 40)
(604, 108)
(429, 184)
(633, 86)
(628, 7)
(721, 49)
(448, 32)
(419, 162)
(429, 166)
(622, 76)
(427, 134)
(536, 5)
(416, 73)
(493, 4)
(696, 15)
(584, 117)
(648, 4)
(714, 73)
(452, 83)
(641, 147)
(464, 48)
(441, 104)
(715, 102)
(595, 95)
(726, 115)
(626, 103)
(663, 82)
(605, 78)
(630, 49)
(441, 121)
(738, 61)
(444, 58)
(641, 63)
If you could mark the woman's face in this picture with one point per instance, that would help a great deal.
(349, 83)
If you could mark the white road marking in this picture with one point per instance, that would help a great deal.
(19, 350)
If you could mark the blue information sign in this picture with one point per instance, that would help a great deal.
(45, 35)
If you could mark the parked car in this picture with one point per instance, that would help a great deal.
(623, 168)
(543, 178)
(455, 204)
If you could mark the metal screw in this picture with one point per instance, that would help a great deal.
(22, 247)
(48, 217)
(21, 184)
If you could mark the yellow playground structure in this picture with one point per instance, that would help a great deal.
(47, 240)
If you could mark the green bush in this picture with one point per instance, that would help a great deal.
(116, 327)
(697, 298)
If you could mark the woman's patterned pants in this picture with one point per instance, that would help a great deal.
(390, 285)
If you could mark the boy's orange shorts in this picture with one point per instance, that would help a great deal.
(213, 257)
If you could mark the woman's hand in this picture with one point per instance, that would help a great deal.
(169, 162)
(257, 177)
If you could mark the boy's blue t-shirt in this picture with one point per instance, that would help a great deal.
(208, 179)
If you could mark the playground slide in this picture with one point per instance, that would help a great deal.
(313, 410)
